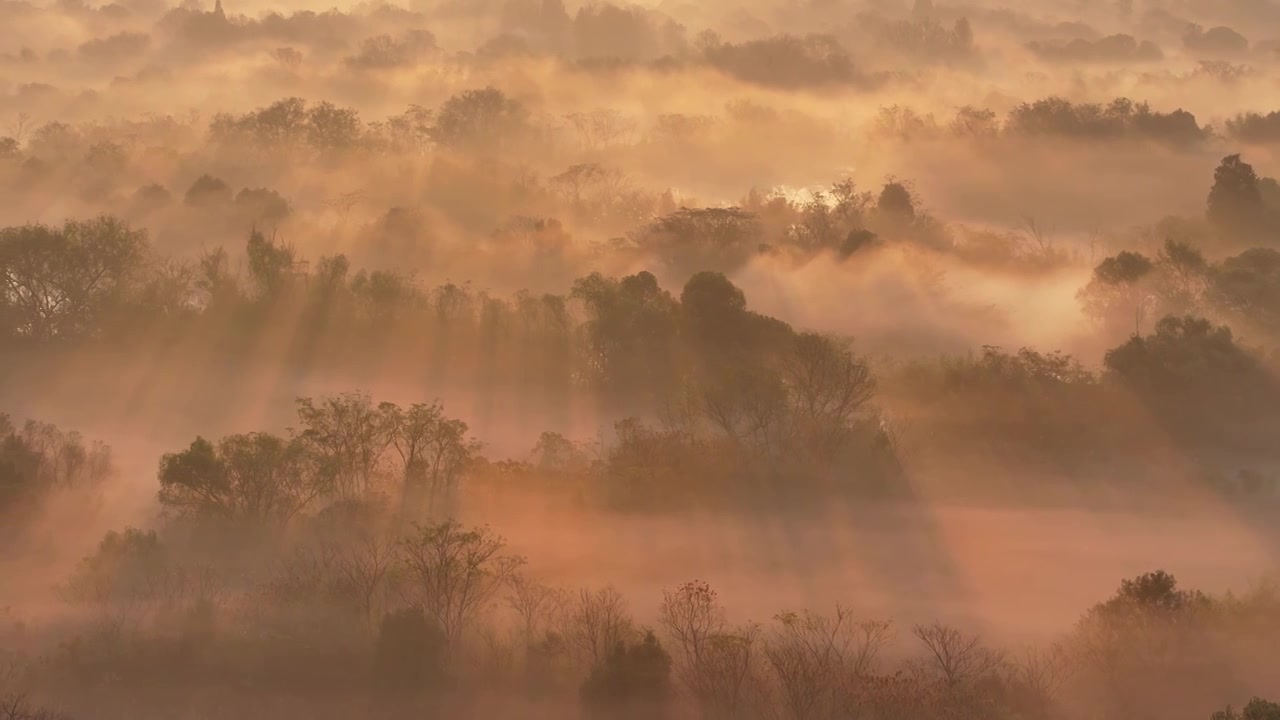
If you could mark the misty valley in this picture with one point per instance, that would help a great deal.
(759, 360)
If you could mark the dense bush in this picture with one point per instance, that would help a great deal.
(409, 653)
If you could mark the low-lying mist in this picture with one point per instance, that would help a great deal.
(522, 359)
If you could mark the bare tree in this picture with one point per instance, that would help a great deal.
(573, 183)
(455, 573)
(815, 658)
(17, 707)
(600, 129)
(366, 568)
(1043, 670)
(535, 605)
(717, 664)
(309, 576)
(20, 126)
(433, 448)
(1037, 235)
(498, 659)
(828, 387)
(957, 657)
(597, 623)
(350, 435)
(343, 203)
(692, 614)
(728, 680)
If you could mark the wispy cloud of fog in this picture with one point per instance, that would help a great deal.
(888, 303)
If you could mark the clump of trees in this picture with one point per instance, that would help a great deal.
(64, 283)
(1053, 117)
(37, 461)
(345, 449)
(290, 124)
(1216, 41)
(1242, 207)
(1121, 117)
(1254, 127)
(1151, 646)
(383, 52)
(1255, 709)
(783, 61)
(1119, 48)
(481, 120)
(748, 386)
(923, 38)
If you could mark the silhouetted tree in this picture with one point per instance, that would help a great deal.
(18, 707)
(633, 682)
(479, 120)
(434, 450)
(629, 336)
(208, 191)
(1119, 291)
(1256, 709)
(1235, 207)
(1199, 380)
(455, 573)
(1248, 286)
(349, 436)
(895, 206)
(257, 477)
(270, 265)
(63, 282)
(718, 239)
(262, 205)
(126, 567)
(330, 127)
(409, 654)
